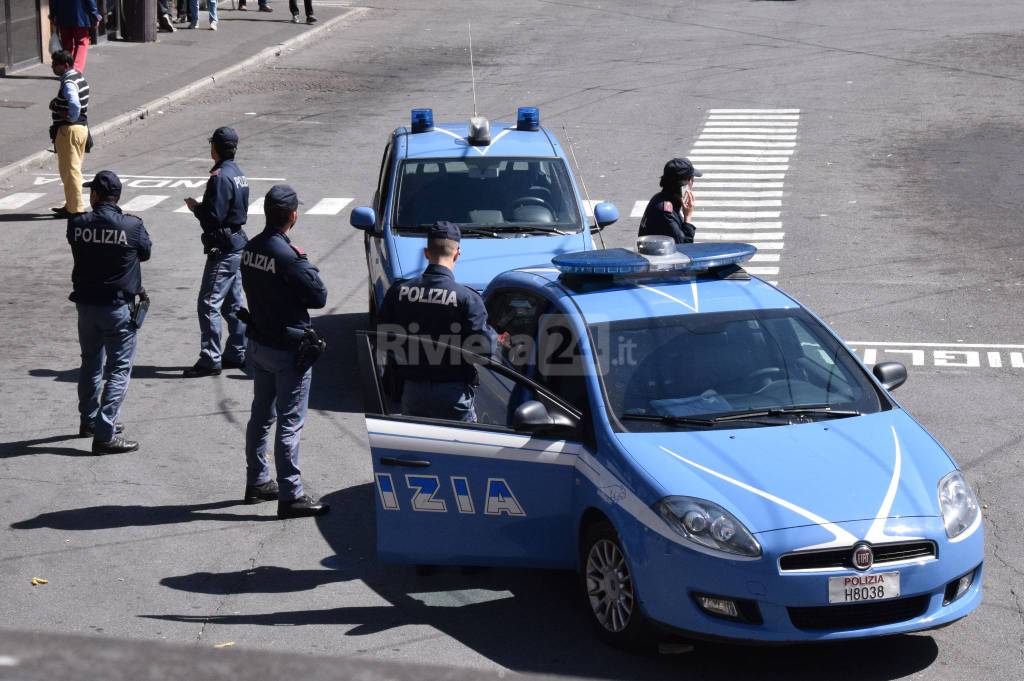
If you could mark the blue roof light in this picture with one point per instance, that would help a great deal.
(422, 120)
(528, 118)
(656, 254)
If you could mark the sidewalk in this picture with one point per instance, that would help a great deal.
(123, 76)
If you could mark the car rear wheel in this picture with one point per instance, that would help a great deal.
(609, 590)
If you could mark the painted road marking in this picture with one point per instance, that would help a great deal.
(718, 118)
(745, 152)
(767, 245)
(329, 206)
(736, 236)
(943, 355)
(739, 195)
(698, 213)
(703, 161)
(710, 129)
(741, 176)
(761, 270)
(766, 257)
(12, 201)
(753, 111)
(143, 202)
(738, 144)
(726, 224)
(703, 182)
(760, 123)
(741, 203)
(781, 137)
(705, 166)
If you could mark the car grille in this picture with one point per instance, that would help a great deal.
(843, 558)
(858, 615)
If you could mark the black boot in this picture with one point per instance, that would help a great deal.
(255, 494)
(303, 507)
(118, 445)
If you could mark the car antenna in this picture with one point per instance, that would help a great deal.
(472, 71)
(579, 171)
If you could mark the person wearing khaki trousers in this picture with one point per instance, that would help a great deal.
(69, 130)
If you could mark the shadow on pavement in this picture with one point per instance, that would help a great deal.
(109, 517)
(139, 371)
(524, 620)
(29, 217)
(9, 450)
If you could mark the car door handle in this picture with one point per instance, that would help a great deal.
(409, 463)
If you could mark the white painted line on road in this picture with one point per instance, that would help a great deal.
(736, 195)
(753, 111)
(766, 257)
(781, 168)
(741, 225)
(18, 200)
(753, 153)
(753, 117)
(698, 160)
(256, 206)
(767, 245)
(714, 136)
(760, 145)
(329, 206)
(950, 344)
(702, 182)
(739, 176)
(740, 203)
(698, 214)
(143, 202)
(951, 355)
(789, 125)
(738, 236)
(761, 270)
(710, 129)
(638, 209)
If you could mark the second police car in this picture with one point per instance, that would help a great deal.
(507, 186)
(705, 452)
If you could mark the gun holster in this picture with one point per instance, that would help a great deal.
(138, 307)
(311, 346)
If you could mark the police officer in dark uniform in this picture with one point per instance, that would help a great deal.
(221, 214)
(435, 306)
(107, 247)
(281, 285)
(669, 212)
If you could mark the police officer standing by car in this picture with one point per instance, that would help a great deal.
(281, 285)
(434, 306)
(669, 212)
(221, 214)
(107, 247)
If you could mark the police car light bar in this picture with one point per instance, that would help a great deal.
(528, 118)
(422, 120)
(654, 254)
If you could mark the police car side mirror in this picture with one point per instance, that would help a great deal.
(890, 374)
(534, 417)
(363, 218)
(605, 214)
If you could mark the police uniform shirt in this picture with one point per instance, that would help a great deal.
(441, 309)
(662, 218)
(225, 206)
(281, 284)
(107, 246)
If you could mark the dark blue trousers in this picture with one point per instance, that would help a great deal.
(107, 338)
(220, 296)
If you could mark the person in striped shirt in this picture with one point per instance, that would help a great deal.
(69, 130)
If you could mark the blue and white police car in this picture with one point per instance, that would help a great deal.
(703, 449)
(507, 186)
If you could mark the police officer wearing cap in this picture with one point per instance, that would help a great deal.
(437, 307)
(221, 214)
(669, 212)
(107, 247)
(281, 285)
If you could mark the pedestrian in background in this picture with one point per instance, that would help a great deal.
(74, 20)
(281, 286)
(193, 13)
(669, 212)
(264, 6)
(164, 16)
(222, 212)
(107, 247)
(69, 130)
(293, 6)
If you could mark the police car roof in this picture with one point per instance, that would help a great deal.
(448, 140)
(605, 299)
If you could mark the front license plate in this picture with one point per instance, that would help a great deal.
(876, 586)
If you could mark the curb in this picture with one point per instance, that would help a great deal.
(142, 112)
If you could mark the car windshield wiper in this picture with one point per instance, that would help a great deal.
(808, 410)
(542, 229)
(673, 420)
(469, 229)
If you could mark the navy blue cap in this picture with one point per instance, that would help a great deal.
(281, 196)
(444, 230)
(680, 169)
(106, 183)
(224, 137)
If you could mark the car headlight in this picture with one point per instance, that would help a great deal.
(708, 524)
(958, 504)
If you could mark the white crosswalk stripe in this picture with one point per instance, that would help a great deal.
(741, 203)
(18, 200)
(142, 202)
(753, 111)
(767, 245)
(789, 125)
(754, 153)
(740, 176)
(754, 224)
(766, 257)
(698, 214)
(730, 166)
(329, 206)
(738, 195)
(703, 182)
(256, 206)
(762, 270)
(707, 161)
(742, 143)
(732, 130)
(717, 118)
(719, 136)
(737, 236)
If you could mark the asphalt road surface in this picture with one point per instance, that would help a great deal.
(898, 221)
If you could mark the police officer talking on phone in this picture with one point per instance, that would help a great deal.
(281, 284)
(669, 212)
(221, 214)
(107, 247)
(437, 307)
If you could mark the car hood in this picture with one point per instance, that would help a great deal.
(879, 466)
(483, 259)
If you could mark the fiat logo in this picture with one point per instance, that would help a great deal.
(863, 557)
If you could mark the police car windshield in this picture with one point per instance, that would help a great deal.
(508, 196)
(660, 372)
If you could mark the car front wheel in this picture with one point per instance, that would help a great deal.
(609, 590)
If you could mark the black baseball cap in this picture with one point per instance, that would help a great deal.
(281, 196)
(444, 230)
(224, 137)
(679, 169)
(106, 183)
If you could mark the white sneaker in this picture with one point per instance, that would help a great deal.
(213, 25)
(295, 18)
